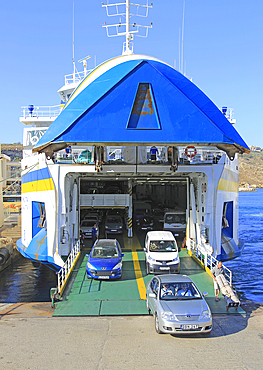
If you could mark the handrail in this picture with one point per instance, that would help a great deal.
(77, 77)
(41, 111)
(66, 269)
(208, 260)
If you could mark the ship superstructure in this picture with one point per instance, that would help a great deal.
(97, 154)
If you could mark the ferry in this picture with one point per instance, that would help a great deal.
(94, 152)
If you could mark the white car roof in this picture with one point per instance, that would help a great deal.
(160, 235)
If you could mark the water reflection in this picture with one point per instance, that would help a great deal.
(26, 281)
(247, 269)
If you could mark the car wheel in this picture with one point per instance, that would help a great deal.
(157, 328)
(147, 306)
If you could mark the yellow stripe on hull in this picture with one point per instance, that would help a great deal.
(40, 185)
(226, 185)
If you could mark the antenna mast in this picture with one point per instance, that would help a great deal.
(182, 51)
(73, 46)
(118, 28)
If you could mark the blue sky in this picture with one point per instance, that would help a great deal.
(223, 52)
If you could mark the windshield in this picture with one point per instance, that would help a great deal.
(179, 291)
(163, 246)
(172, 218)
(113, 220)
(87, 223)
(104, 252)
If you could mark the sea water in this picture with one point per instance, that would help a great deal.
(248, 268)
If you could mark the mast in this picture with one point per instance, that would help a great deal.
(126, 29)
(128, 36)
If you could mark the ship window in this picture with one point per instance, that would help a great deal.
(42, 216)
(227, 219)
(38, 217)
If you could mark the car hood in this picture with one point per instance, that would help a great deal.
(163, 256)
(184, 307)
(104, 262)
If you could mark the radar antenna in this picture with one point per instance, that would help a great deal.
(127, 29)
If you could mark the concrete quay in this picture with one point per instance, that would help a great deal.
(31, 338)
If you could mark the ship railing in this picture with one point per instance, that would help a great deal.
(65, 270)
(77, 76)
(41, 111)
(228, 113)
(126, 155)
(207, 259)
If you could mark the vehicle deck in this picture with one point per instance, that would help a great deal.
(90, 297)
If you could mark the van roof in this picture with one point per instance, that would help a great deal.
(160, 235)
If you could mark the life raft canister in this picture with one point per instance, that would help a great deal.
(190, 151)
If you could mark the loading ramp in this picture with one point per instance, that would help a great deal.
(90, 297)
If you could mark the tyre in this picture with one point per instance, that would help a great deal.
(157, 327)
(4, 255)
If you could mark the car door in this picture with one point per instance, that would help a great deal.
(154, 285)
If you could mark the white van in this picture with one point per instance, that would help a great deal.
(161, 253)
(175, 221)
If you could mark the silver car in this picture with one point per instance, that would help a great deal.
(86, 227)
(177, 305)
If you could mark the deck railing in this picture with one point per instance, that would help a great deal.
(208, 260)
(41, 111)
(123, 155)
(77, 76)
(65, 270)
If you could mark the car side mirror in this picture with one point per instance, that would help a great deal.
(152, 295)
(122, 254)
(179, 249)
(145, 249)
(205, 294)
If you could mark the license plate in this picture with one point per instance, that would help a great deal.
(103, 277)
(164, 268)
(113, 230)
(188, 326)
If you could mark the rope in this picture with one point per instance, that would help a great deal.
(30, 168)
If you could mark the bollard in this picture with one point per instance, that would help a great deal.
(53, 292)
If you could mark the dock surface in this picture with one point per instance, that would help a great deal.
(34, 339)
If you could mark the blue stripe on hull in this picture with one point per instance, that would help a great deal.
(37, 175)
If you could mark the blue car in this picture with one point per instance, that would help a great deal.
(105, 260)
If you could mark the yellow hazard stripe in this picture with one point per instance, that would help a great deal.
(134, 244)
(138, 275)
(226, 185)
(40, 185)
